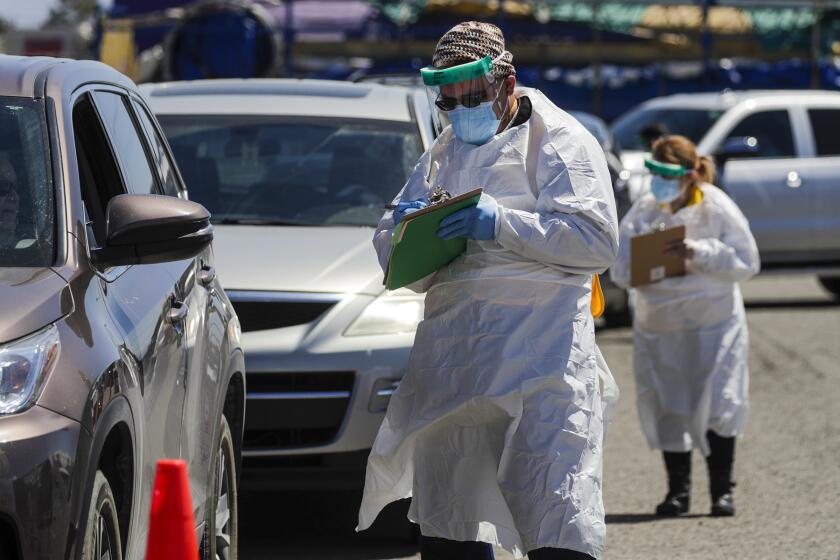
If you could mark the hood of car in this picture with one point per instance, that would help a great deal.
(31, 298)
(297, 259)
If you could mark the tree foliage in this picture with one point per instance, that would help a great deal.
(71, 12)
(5, 25)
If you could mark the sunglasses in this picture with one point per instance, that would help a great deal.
(468, 100)
(7, 186)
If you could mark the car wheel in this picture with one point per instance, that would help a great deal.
(102, 532)
(832, 284)
(619, 312)
(622, 317)
(221, 532)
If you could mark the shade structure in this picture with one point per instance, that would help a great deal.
(725, 16)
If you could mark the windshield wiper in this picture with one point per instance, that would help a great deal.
(258, 222)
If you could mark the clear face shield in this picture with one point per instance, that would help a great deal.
(468, 97)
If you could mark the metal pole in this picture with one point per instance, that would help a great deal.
(543, 48)
(597, 67)
(707, 42)
(816, 39)
(662, 66)
(289, 39)
(500, 15)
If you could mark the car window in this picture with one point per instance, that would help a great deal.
(298, 171)
(99, 174)
(27, 209)
(772, 131)
(166, 168)
(826, 124)
(128, 147)
(691, 123)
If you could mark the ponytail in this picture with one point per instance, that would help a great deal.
(706, 169)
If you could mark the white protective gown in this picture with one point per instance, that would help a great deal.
(690, 333)
(497, 428)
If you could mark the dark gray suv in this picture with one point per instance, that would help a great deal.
(118, 347)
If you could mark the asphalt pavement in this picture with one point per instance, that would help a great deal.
(787, 464)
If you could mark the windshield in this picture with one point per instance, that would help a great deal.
(692, 123)
(26, 194)
(292, 171)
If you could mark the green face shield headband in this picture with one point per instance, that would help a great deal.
(461, 73)
(665, 169)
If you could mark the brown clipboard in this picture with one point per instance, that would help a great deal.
(648, 261)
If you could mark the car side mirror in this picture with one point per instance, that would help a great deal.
(147, 229)
(738, 147)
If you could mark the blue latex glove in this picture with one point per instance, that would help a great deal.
(477, 222)
(404, 208)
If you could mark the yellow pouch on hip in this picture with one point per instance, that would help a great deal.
(598, 303)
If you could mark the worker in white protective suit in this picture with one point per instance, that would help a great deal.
(690, 332)
(496, 430)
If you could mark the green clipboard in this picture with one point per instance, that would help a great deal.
(416, 249)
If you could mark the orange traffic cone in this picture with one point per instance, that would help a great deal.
(171, 526)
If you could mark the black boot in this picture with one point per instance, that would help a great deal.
(433, 548)
(676, 501)
(720, 474)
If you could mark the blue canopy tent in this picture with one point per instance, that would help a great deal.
(596, 56)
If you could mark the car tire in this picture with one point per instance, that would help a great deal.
(831, 284)
(221, 534)
(102, 531)
(620, 316)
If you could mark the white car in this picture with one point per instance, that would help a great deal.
(778, 157)
(297, 174)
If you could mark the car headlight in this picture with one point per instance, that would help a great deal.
(24, 364)
(390, 314)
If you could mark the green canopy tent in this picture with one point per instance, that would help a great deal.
(670, 30)
(677, 29)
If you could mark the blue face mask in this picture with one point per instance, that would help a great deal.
(664, 190)
(476, 125)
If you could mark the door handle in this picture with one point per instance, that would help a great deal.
(794, 181)
(206, 275)
(177, 312)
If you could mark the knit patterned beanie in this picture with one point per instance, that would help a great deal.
(470, 41)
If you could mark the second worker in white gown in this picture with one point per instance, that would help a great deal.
(691, 344)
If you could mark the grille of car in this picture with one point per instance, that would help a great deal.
(289, 410)
(343, 470)
(259, 311)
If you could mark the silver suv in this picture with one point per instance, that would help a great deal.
(778, 156)
(297, 174)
